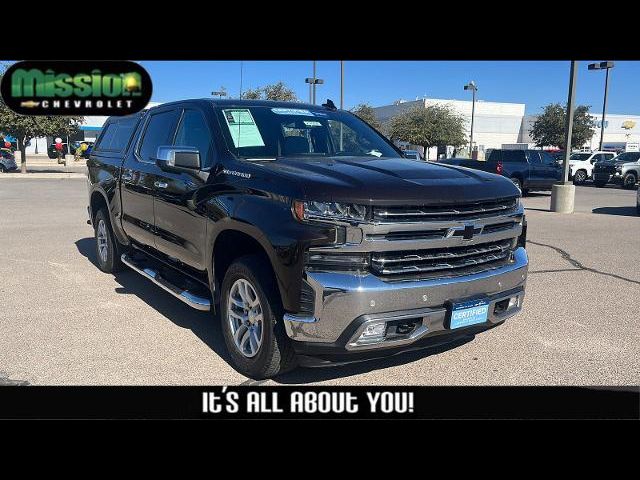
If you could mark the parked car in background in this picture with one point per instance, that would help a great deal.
(414, 154)
(528, 169)
(623, 169)
(581, 164)
(7, 160)
(638, 202)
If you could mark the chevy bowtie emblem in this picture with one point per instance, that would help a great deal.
(467, 232)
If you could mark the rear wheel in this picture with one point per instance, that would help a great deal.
(2, 168)
(108, 250)
(629, 181)
(579, 177)
(251, 315)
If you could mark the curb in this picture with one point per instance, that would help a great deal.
(42, 175)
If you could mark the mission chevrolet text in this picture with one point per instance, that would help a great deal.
(304, 230)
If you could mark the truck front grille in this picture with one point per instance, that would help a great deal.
(440, 260)
(443, 213)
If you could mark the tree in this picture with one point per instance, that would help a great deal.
(27, 127)
(366, 113)
(252, 94)
(277, 91)
(548, 128)
(431, 126)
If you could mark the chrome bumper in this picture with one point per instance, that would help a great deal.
(342, 299)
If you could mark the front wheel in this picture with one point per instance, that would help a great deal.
(251, 315)
(2, 168)
(579, 177)
(629, 181)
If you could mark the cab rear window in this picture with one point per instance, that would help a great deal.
(116, 135)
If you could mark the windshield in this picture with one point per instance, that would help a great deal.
(627, 157)
(579, 156)
(259, 132)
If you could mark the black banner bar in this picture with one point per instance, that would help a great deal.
(312, 402)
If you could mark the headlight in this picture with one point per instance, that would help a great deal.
(329, 211)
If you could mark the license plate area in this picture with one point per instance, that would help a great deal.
(471, 312)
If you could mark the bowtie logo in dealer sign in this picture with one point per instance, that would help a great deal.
(76, 88)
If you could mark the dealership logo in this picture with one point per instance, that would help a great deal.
(628, 124)
(76, 88)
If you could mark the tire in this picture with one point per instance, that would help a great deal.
(108, 250)
(629, 181)
(599, 184)
(2, 168)
(274, 353)
(579, 177)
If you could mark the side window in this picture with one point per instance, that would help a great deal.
(495, 156)
(548, 159)
(534, 157)
(106, 137)
(513, 156)
(159, 131)
(123, 134)
(608, 156)
(193, 132)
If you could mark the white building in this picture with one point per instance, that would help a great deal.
(619, 130)
(495, 123)
(498, 123)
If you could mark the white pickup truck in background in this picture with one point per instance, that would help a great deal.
(581, 164)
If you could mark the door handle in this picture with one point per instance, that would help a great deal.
(160, 184)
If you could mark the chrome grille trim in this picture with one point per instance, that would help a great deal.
(424, 213)
(449, 259)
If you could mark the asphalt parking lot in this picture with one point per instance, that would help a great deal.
(63, 322)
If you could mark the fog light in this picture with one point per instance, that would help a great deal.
(513, 301)
(373, 332)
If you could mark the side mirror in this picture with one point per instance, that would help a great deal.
(178, 158)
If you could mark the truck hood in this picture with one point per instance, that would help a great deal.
(389, 181)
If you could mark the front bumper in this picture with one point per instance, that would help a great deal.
(345, 303)
(602, 177)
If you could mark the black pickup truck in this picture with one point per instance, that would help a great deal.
(304, 230)
(528, 169)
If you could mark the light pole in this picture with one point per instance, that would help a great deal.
(341, 85)
(603, 66)
(474, 88)
(313, 81)
(563, 193)
(312, 87)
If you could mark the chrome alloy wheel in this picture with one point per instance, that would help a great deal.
(103, 247)
(244, 313)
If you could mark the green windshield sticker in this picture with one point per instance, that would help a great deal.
(243, 129)
(292, 111)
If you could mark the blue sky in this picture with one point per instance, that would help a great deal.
(535, 83)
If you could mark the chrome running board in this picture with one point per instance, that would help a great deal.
(191, 299)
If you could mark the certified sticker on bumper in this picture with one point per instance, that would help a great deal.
(469, 313)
